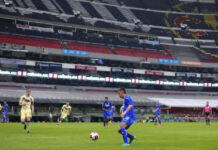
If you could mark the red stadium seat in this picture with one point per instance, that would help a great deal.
(20, 40)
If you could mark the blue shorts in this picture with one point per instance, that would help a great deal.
(5, 112)
(128, 121)
(106, 114)
(111, 114)
(158, 114)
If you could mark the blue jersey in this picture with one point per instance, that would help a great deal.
(158, 109)
(5, 107)
(112, 109)
(129, 101)
(106, 106)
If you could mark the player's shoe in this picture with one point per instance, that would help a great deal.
(125, 144)
(130, 140)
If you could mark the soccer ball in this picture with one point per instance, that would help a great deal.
(94, 136)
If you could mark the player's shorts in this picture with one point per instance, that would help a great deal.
(111, 114)
(5, 112)
(106, 114)
(207, 113)
(158, 114)
(128, 121)
(63, 115)
(25, 114)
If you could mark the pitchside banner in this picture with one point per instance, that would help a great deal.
(169, 61)
(209, 76)
(125, 70)
(74, 52)
(81, 67)
(12, 61)
(51, 65)
(191, 63)
(156, 73)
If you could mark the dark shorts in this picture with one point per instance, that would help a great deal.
(207, 113)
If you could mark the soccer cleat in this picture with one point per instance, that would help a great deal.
(24, 127)
(130, 141)
(125, 144)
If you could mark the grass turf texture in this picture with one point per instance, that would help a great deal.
(75, 136)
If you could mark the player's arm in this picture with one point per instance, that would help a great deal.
(21, 101)
(156, 110)
(130, 106)
(103, 108)
(127, 110)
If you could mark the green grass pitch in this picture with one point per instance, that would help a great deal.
(75, 136)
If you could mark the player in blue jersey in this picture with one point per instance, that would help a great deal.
(5, 112)
(106, 107)
(112, 113)
(158, 113)
(128, 117)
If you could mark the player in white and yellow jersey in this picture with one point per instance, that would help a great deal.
(27, 108)
(65, 111)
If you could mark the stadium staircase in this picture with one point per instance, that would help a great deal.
(183, 53)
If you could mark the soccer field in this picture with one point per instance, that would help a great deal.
(75, 136)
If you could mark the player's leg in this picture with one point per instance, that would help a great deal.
(62, 118)
(108, 117)
(159, 119)
(6, 117)
(130, 136)
(23, 119)
(122, 130)
(28, 118)
(3, 117)
(112, 117)
(155, 120)
(208, 118)
(105, 120)
(205, 117)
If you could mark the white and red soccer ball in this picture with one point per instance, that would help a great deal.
(94, 136)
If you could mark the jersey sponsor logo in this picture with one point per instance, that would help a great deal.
(126, 118)
(26, 100)
(107, 105)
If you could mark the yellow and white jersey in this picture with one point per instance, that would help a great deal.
(66, 109)
(27, 100)
(0, 107)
